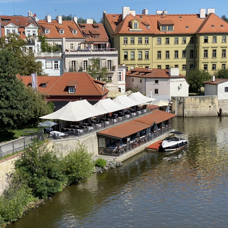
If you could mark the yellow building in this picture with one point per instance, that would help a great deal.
(184, 41)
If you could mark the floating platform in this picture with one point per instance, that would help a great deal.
(154, 146)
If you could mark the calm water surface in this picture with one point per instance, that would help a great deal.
(149, 191)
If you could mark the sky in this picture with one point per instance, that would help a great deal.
(94, 8)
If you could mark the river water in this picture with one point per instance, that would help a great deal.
(150, 190)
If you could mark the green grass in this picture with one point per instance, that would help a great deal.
(15, 134)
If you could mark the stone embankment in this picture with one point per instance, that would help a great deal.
(112, 164)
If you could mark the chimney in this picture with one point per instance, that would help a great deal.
(75, 19)
(145, 11)
(59, 19)
(210, 11)
(89, 21)
(174, 72)
(48, 18)
(125, 11)
(213, 78)
(202, 13)
(30, 14)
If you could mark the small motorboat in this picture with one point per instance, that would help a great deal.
(173, 143)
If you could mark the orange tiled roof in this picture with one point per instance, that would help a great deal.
(54, 27)
(57, 85)
(136, 125)
(216, 82)
(151, 73)
(94, 29)
(183, 23)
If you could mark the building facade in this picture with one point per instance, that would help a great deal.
(163, 41)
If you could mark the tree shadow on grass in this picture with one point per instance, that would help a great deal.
(6, 136)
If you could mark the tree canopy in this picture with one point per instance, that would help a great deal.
(96, 71)
(222, 73)
(46, 47)
(195, 78)
(224, 18)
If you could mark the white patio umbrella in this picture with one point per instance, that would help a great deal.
(47, 123)
(162, 103)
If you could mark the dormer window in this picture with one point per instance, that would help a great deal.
(61, 31)
(74, 31)
(163, 28)
(71, 89)
(47, 31)
(135, 25)
(43, 84)
(147, 26)
(170, 28)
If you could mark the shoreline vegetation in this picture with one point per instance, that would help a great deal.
(40, 173)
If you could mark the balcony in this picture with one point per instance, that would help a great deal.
(48, 55)
(89, 52)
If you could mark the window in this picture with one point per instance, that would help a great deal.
(205, 53)
(206, 39)
(223, 66)
(119, 76)
(132, 79)
(226, 89)
(191, 54)
(132, 55)
(163, 28)
(61, 31)
(71, 89)
(109, 78)
(183, 67)
(158, 40)
(183, 40)
(125, 40)
(7, 31)
(176, 40)
(48, 64)
(205, 67)
(71, 46)
(140, 40)
(132, 40)
(159, 66)
(166, 40)
(13, 31)
(140, 55)
(85, 64)
(223, 39)
(167, 67)
(214, 39)
(135, 25)
(146, 54)
(98, 78)
(73, 66)
(213, 66)
(167, 54)
(176, 66)
(140, 80)
(176, 54)
(158, 54)
(146, 40)
(191, 66)
(156, 81)
(74, 31)
(56, 65)
(183, 54)
(170, 28)
(155, 91)
(109, 64)
(46, 31)
(223, 53)
(191, 40)
(214, 53)
(125, 55)
(28, 32)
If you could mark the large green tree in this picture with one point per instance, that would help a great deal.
(46, 47)
(222, 73)
(26, 61)
(96, 70)
(195, 78)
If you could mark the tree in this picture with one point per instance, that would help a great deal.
(26, 61)
(67, 18)
(224, 18)
(222, 73)
(46, 47)
(18, 104)
(81, 20)
(96, 71)
(195, 78)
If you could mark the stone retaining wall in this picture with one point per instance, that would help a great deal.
(223, 104)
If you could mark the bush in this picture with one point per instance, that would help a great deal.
(78, 164)
(41, 170)
(100, 162)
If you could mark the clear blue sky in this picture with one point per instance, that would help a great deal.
(94, 8)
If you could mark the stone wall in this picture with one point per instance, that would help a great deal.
(223, 104)
(195, 106)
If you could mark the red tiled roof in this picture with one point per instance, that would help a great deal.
(151, 73)
(136, 125)
(216, 82)
(54, 27)
(57, 85)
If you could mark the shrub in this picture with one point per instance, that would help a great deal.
(100, 162)
(78, 164)
(41, 170)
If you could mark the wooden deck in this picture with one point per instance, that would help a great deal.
(154, 146)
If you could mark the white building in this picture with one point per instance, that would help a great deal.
(159, 84)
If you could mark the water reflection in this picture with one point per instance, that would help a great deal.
(148, 191)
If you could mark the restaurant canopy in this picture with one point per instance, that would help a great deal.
(75, 111)
(140, 97)
(109, 105)
(126, 101)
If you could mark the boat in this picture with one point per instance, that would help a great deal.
(174, 143)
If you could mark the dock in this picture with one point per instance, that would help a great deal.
(154, 146)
